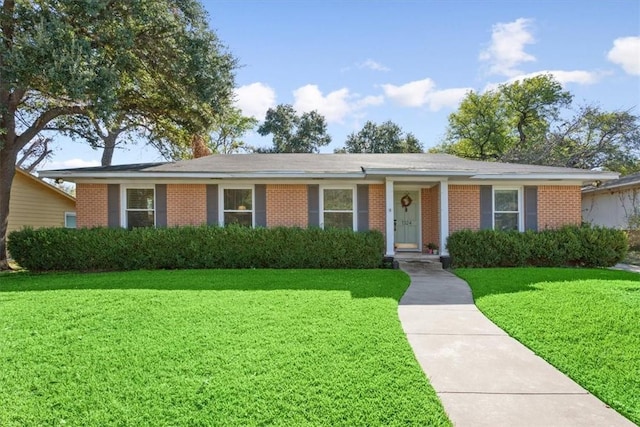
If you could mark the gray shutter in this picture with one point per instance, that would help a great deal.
(260, 209)
(113, 205)
(161, 205)
(313, 196)
(486, 207)
(212, 204)
(363, 207)
(531, 208)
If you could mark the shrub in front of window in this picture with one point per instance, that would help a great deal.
(583, 246)
(104, 249)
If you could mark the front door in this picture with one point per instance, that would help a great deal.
(407, 220)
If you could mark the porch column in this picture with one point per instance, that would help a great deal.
(444, 215)
(390, 232)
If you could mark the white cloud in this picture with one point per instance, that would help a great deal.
(72, 163)
(447, 98)
(412, 94)
(422, 92)
(335, 106)
(255, 99)
(626, 53)
(507, 47)
(581, 77)
(373, 65)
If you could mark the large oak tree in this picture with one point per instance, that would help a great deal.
(155, 60)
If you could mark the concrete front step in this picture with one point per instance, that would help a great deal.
(416, 265)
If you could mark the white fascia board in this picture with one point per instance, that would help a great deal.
(70, 175)
(414, 172)
(586, 176)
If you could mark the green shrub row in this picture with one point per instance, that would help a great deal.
(584, 246)
(104, 249)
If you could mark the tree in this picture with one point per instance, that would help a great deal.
(591, 139)
(387, 137)
(478, 130)
(152, 59)
(509, 119)
(532, 104)
(293, 133)
(34, 153)
(228, 130)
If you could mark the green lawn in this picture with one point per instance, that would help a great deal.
(586, 322)
(242, 347)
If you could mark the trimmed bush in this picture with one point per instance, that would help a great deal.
(584, 246)
(116, 249)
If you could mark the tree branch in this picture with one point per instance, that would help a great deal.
(40, 123)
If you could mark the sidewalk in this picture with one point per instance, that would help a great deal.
(482, 376)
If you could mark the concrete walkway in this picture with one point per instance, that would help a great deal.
(482, 376)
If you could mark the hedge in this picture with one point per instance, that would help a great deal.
(584, 246)
(116, 249)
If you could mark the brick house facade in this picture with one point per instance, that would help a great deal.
(414, 199)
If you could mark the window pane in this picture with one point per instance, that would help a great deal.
(338, 220)
(70, 220)
(338, 200)
(506, 221)
(237, 200)
(240, 218)
(140, 219)
(506, 200)
(140, 198)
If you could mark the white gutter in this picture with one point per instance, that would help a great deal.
(195, 175)
(585, 176)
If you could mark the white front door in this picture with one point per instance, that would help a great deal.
(407, 220)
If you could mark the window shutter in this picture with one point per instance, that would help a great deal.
(260, 209)
(313, 196)
(486, 207)
(161, 205)
(212, 204)
(363, 207)
(531, 208)
(113, 205)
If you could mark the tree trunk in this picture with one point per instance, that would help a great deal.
(8, 157)
(109, 148)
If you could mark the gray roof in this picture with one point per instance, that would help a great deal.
(625, 181)
(331, 165)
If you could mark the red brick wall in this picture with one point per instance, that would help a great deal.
(186, 204)
(464, 207)
(377, 207)
(91, 205)
(430, 215)
(559, 205)
(287, 205)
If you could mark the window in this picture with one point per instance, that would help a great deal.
(238, 206)
(506, 209)
(337, 208)
(70, 220)
(140, 207)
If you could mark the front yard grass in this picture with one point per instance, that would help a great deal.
(214, 347)
(586, 322)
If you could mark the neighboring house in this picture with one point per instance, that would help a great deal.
(614, 203)
(35, 203)
(414, 199)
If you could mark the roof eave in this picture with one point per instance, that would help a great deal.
(585, 176)
(71, 175)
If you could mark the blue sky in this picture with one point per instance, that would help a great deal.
(411, 61)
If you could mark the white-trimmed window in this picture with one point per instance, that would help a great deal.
(237, 206)
(139, 207)
(337, 207)
(70, 220)
(507, 209)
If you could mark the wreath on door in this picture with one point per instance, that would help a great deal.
(406, 201)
